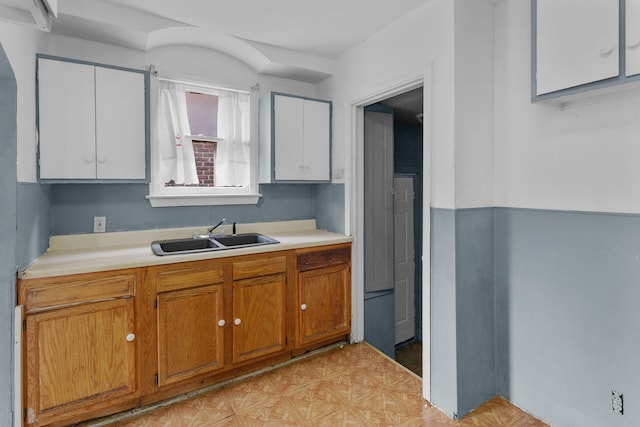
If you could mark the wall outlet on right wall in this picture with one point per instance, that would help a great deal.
(617, 402)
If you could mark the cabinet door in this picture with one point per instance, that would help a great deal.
(577, 43)
(633, 37)
(66, 107)
(259, 317)
(325, 303)
(317, 129)
(120, 124)
(288, 138)
(80, 358)
(190, 333)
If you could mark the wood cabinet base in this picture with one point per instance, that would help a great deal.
(100, 343)
(210, 380)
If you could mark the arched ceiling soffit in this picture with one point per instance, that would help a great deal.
(203, 38)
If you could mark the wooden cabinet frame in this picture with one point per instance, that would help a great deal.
(323, 296)
(263, 291)
(80, 350)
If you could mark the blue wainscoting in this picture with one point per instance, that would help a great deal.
(46, 210)
(475, 310)
(8, 152)
(379, 309)
(33, 222)
(462, 309)
(568, 314)
(444, 386)
(74, 206)
(329, 207)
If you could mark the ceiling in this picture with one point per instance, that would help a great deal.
(291, 38)
(288, 38)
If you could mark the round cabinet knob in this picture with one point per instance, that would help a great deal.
(88, 159)
(221, 322)
(303, 307)
(102, 159)
(131, 337)
(606, 50)
(301, 166)
(237, 322)
(307, 166)
(633, 43)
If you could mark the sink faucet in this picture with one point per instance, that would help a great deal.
(222, 221)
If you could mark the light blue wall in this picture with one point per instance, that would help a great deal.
(475, 309)
(541, 307)
(569, 314)
(444, 387)
(379, 331)
(463, 338)
(329, 207)
(8, 149)
(34, 221)
(74, 206)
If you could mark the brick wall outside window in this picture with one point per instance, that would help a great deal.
(205, 154)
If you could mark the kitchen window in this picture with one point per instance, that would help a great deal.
(203, 149)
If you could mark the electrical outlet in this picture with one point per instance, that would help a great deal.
(99, 224)
(617, 402)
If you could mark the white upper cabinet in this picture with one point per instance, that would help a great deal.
(577, 42)
(288, 130)
(295, 135)
(317, 136)
(632, 22)
(92, 122)
(120, 129)
(66, 107)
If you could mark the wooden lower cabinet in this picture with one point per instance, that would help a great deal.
(79, 360)
(100, 343)
(259, 313)
(190, 333)
(183, 308)
(323, 311)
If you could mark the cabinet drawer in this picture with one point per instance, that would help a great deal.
(189, 277)
(326, 258)
(259, 267)
(58, 291)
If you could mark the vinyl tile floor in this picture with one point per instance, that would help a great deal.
(350, 385)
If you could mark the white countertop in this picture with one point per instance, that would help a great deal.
(85, 253)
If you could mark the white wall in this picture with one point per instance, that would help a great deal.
(418, 45)
(582, 158)
(460, 60)
(474, 71)
(405, 50)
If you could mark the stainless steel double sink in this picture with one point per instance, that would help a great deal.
(208, 244)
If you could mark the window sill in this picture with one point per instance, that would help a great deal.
(158, 201)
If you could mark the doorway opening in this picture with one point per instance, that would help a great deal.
(393, 226)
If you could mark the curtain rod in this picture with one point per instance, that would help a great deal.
(201, 84)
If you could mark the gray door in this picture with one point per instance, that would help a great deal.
(378, 201)
(378, 228)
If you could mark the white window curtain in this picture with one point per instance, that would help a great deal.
(176, 159)
(233, 152)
